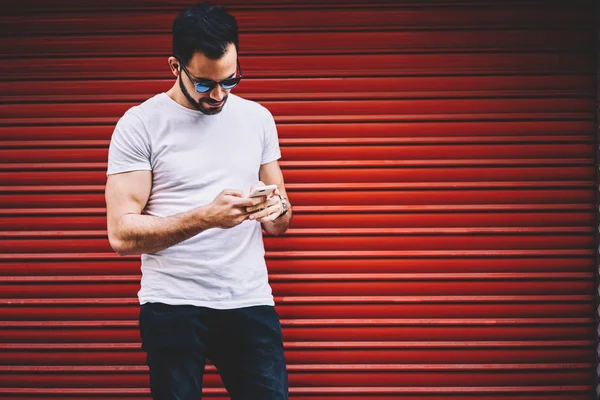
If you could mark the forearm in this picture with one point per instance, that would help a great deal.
(142, 234)
(278, 226)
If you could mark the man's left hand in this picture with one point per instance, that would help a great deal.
(268, 210)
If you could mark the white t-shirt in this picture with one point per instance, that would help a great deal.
(193, 157)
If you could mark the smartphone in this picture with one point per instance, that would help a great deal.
(263, 191)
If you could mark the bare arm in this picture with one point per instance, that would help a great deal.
(130, 232)
(270, 174)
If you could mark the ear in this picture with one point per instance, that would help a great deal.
(174, 65)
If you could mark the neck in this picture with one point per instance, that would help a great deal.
(179, 97)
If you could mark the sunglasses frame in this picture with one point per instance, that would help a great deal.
(209, 83)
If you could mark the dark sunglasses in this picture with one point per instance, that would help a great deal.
(206, 85)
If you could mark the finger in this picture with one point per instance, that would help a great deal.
(270, 217)
(257, 207)
(259, 201)
(233, 192)
(273, 194)
(250, 201)
(266, 202)
(263, 213)
(276, 208)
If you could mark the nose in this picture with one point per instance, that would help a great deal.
(217, 93)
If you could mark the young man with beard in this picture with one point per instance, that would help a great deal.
(180, 165)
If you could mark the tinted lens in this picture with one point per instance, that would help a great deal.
(207, 86)
(203, 87)
(230, 83)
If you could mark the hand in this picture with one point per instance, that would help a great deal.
(268, 210)
(228, 209)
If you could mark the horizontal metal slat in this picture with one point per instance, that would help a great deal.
(328, 166)
(324, 390)
(327, 299)
(330, 141)
(332, 254)
(337, 345)
(397, 42)
(334, 323)
(276, 95)
(55, 221)
(178, 5)
(329, 330)
(383, 396)
(425, 129)
(83, 196)
(361, 277)
(324, 142)
(49, 176)
(310, 288)
(332, 189)
(400, 209)
(332, 232)
(320, 367)
(328, 307)
(338, 119)
(303, 154)
(486, 396)
(72, 265)
(312, 66)
(302, 19)
(131, 354)
(368, 244)
(330, 379)
(396, 87)
(332, 107)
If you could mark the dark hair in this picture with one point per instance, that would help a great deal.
(205, 28)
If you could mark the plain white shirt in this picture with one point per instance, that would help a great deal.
(193, 157)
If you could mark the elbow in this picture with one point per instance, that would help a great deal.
(120, 247)
(278, 232)
(275, 231)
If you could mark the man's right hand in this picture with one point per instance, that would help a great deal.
(228, 209)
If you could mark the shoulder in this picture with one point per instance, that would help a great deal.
(145, 110)
(250, 107)
(140, 115)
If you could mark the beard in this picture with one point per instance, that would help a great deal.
(198, 104)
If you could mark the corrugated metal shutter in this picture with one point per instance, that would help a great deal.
(440, 157)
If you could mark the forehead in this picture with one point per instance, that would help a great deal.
(201, 66)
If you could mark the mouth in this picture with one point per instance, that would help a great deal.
(214, 104)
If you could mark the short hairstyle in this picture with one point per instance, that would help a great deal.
(203, 28)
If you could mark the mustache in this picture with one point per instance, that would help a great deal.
(211, 101)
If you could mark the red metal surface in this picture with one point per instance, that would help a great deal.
(441, 163)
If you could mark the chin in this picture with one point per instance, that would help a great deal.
(211, 111)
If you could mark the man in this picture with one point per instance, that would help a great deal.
(179, 168)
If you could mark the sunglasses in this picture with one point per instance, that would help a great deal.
(206, 85)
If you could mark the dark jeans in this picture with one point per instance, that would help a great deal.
(244, 344)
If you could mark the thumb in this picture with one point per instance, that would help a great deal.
(257, 184)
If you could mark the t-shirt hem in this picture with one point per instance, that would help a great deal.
(271, 159)
(129, 168)
(221, 305)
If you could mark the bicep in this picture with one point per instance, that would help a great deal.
(270, 174)
(126, 193)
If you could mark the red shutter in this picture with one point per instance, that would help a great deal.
(440, 157)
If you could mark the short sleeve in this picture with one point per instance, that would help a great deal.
(271, 151)
(129, 148)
